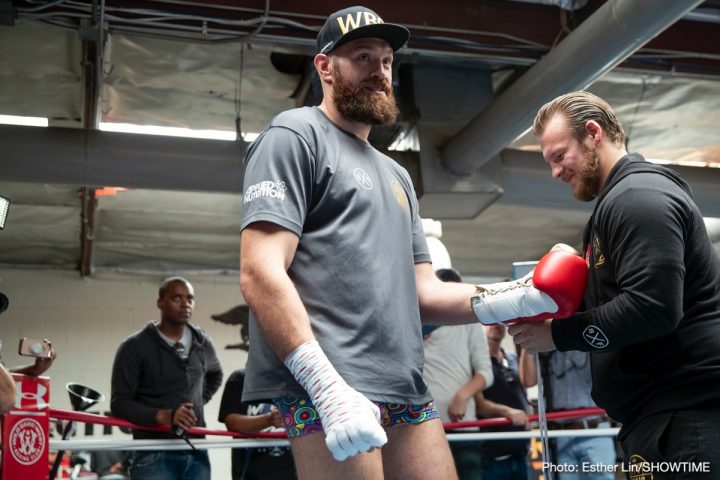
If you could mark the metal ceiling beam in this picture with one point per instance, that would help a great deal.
(605, 39)
(90, 157)
(69, 156)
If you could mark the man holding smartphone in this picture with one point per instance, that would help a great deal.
(43, 360)
(163, 375)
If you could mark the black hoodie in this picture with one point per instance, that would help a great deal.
(652, 307)
(148, 376)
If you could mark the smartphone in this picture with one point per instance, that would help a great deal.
(32, 347)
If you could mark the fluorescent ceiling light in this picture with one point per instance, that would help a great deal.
(168, 131)
(4, 207)
(29, 121)
(712, 224)
(658, 161)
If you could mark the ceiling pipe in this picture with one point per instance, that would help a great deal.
(605, 39)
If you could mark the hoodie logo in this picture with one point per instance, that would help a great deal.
(639, 468)
(595, 337)
(597, 253)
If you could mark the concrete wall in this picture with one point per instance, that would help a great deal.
(86, 319)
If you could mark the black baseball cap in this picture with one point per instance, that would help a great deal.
(358, 22)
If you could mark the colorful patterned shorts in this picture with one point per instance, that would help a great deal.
(300, 417)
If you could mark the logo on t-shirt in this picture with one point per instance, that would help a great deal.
(400, 195)
(266, 188)
(363, 178)
(595, 337)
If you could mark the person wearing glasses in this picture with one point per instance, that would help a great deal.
(164, 375)
(504, 459)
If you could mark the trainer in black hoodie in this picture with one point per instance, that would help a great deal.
(652, 305)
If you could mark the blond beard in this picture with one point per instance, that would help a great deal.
(357, 104)
(588, 176)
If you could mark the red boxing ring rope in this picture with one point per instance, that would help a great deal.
(25, 432)
(119, 422)
(495, 422)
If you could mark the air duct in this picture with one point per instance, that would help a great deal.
(609, 36)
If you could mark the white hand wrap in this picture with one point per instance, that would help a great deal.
(503, 301)
(351, 421)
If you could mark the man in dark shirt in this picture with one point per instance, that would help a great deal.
(163, 375)
(269, 463)
(652, 306)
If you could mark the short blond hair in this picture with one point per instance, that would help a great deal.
(578, 108)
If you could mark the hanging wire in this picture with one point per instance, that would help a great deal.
(43, 6)
(238, 95)
(564, 29)
(259, 27)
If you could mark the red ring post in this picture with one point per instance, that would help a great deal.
(25, 431)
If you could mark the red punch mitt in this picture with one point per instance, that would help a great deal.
(554, 289)
(563, 277)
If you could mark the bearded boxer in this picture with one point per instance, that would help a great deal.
(652, 306)
(337, 273)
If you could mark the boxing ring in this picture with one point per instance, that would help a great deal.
(26, 442)
(279, 438)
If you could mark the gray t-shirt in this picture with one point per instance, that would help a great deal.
(356, 214)
(453, 355)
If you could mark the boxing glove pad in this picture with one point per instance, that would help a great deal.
(563, 276)
(554, 289)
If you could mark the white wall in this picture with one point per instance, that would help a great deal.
(86, 319)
